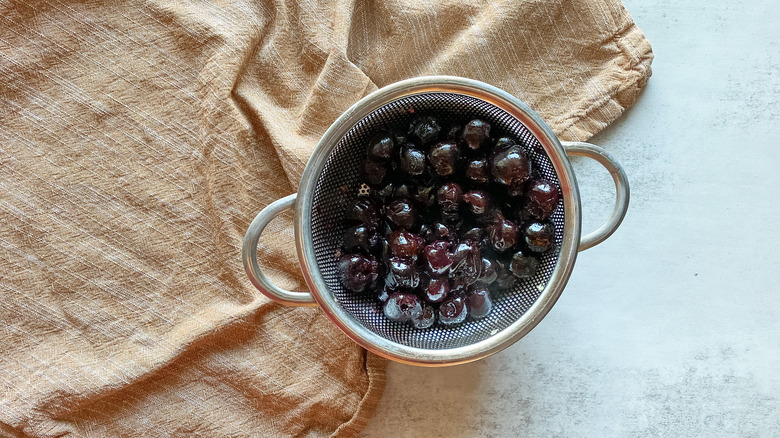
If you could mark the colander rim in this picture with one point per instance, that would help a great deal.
(502, 338)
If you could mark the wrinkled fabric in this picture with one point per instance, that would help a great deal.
(139, 138)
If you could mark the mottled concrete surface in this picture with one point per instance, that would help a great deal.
(671, 327)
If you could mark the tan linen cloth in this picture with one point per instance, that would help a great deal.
(139, 138)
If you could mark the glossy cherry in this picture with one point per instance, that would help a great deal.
(503, 234)
(405, 244)
(539, 236)
(476, 133)
(449, 196)
(400, 212)
(438, 258)
(402, 307)
(510, 165)
(444, 157)
(425, 129)
(479, 301)
(357, 271)
(541, 198)
(437, 289)
(363, 210)
(453, 311)
(523, 265)
(477, 170)
(381, 146)
(411, 160)
(477, 201)
(425, 319)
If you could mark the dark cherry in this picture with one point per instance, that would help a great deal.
(426, 319)
(381, 146)
(362, 238)
(402, 307)
(402, 274)
(453, 311)
(358, 271)
(425, 129)
(425, 196)
(449, 196)
(438, 258)
(523, 265)
(437, 289)
(539, 236)
(405, 244)
(477, 170)
(440, 231)
(541, 198)
(363, 210)
(467, 261)
(374, 171)
(444, 157)
(477, 201)
(510, 166)
(480, 303)
(489, 274)
(400, 212)
(476, 133)
(411, 160)
(503, 233)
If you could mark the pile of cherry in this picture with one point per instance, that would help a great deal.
(453, 218)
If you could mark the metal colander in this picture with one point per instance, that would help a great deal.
(332, 179)
(340, 180)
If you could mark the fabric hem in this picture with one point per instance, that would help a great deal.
(635, 56)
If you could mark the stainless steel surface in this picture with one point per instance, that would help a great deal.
(622, 192)
(249, 256)
(303, 226)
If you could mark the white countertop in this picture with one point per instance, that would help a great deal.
(672, 326)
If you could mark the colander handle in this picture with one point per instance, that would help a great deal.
(249, 255)
(621, 187)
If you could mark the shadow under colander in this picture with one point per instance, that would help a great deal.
(340, 181)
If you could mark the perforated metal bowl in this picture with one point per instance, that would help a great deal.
(333, 174)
